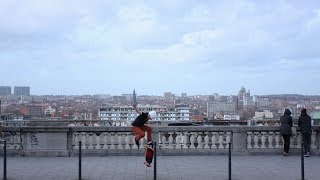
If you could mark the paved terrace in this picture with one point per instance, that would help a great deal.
(262, 167)
(46, 152)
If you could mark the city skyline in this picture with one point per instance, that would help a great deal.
(161, 94)
(76, 48)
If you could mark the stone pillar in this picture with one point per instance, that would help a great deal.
(239, 140)
(70, 142)
(155, 135)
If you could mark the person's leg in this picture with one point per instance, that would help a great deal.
(147, 129)
(304, 140)
(139, 133)
(308, 142)
(286, 145)
(288, 142)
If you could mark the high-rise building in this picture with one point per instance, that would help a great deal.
(5, 90)
(168, 96)
(134, 97)
(22, 90)
(244, 98)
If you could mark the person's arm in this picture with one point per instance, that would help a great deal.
(299, 121)
(136, 108)
(291, 122)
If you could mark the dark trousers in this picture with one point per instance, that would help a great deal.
(286, 146)
(306, 138)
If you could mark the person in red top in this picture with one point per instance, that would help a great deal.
(138, 125)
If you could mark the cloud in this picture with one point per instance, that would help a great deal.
(212, 44)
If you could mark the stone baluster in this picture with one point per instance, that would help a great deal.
(83, 136)
(270, 140)
(298, 140)
(313, 140)
(249, 140)
(17, 141)
(185, 140)
(228, 139)
(256, 139)
(214, 140)
(112, 146)
(221, 140)
(277, 139)
(199, 140)
(206, 141)
(12, 143)
(105, 140)
(263, 140)
(98, 146)
(178, 141)
(170, 140)
(127, 139)
(192, 140)
(120, 141)
(164, 141)
(134, 146)
(142, 142)
(76, 140)
(90, 141)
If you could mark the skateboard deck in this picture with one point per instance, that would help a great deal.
(149, 156)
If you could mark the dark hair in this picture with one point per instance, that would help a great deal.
(287, 112)
(303, 112)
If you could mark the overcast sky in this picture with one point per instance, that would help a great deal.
(193, 46)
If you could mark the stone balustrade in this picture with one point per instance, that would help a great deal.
(172, 140)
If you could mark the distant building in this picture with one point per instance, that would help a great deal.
(35, 110)
(168, 96)
(5, 90)
(128, 97)
(134, 97)
(264, 114)
(231, 117)
(244, 98)
(21, 90)
(121, 99)
(211, 98)
(127, 113)
(262, 102)
(197, 118)
(49, 111)
(221, 107)
(184, 95)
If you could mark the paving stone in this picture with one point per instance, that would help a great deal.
(168, 167)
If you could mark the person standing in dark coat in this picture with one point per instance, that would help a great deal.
(285, 130)
(305, 128)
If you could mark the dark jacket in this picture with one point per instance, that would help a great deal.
(304, 122)
(140, 120)
(286, 122)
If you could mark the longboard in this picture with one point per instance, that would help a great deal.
(149, 156)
